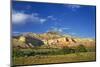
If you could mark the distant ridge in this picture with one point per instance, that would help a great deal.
(49, 39)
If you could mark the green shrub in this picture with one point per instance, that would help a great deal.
(33, 52)
(29, 53)
(17, 53)
(67, 50)
(81, 48)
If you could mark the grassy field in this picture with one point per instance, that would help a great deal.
(46, 59)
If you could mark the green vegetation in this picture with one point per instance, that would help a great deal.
(56, 50)
(49, 51)
(44, 59)
(38, 55)
(81, 48)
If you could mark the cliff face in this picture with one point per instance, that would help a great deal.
(59, 42)
(49, 40)
(70, 42)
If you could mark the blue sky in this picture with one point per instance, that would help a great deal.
(77, 20)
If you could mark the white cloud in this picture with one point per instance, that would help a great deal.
(16, 32)
(21, 17)
(66, 28)
(73, 7)
(58, 29)
(42, 20)
(55, 29)
(51, 17)
(73, 33)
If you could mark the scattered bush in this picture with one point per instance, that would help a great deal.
(65, 50)
(81, 48)
(17, 53)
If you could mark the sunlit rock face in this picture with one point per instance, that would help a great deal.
(22, 39)
(50, 40)
(26, 42)
(70, 42)
(60, 42)
(19, 44)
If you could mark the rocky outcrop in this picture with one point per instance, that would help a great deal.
(18, 44)
(26, 42)
(70, 42)
(49, 40)
(59, 42)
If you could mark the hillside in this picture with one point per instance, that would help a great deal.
(49, 40)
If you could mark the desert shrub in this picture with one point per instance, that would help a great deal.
(29, 53)
(53, 52)
(81, 48)
(91, 49)
(41, 53)
(17, 53)
(37, 51)
(72, 50)
(67, 50)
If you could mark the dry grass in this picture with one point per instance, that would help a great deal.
(40, 59)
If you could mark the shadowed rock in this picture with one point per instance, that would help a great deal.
(33, 41)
